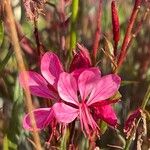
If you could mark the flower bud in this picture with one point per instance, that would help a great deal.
(115, 22)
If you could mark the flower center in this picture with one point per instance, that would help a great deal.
(86, 119)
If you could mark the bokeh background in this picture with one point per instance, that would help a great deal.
(135, 71)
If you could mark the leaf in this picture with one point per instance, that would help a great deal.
(18, 92)
(65, 139)
(15, 126)
(8, 145)
(1, 32)
(117, 96)
(109, 47)
(5, 143)
(103, 127)
(5, 61)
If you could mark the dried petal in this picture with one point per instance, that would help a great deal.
(130, 122)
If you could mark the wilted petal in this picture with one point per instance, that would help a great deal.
(81, 59)
(87, 81)
(37, 85)
(105, 88)
(67, 88)
(65, 113)
(130, 122)
(43, 117)
(107, 114)
(51, 68)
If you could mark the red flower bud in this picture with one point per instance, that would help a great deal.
(115, 22)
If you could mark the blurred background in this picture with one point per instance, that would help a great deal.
(54, 30)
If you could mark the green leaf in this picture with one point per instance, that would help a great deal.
(116, 96)
(18, 93)
(5, 61)
(5, 143)
(64, 139)
(15, 126)
(8, 145)
(1, 32)
(103, 126)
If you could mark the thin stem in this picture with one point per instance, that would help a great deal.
(139, 26)
(73, 32)
(128, 34)
(15, 43)
(36, 34)
(97, 32)
(146, 98)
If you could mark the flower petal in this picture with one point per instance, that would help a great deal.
(107, 114)
(87, 81)
(65, 113)
(51, 68)
(76, 73)
(67, 88)
(81, 59)
(43, 117)
(104, 89)
(37, 85)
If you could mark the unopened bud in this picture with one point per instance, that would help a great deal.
(115, 22)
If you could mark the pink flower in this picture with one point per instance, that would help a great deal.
(80, 95)
(43, 86)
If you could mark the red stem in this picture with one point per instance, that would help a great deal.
(98, 31)
(127, 37)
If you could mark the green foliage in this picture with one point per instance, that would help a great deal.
(13, 132)
(64, 140)
(1, 32)
(5, 61)
(103, 127)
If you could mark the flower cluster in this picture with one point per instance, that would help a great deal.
(82, 94)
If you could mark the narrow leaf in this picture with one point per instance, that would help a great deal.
(65, 139)
(1, 32)
(5, 61)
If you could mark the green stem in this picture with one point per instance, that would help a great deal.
(146, 98)
(145, 101)
(73, 33)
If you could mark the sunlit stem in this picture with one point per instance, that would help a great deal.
(73, 33)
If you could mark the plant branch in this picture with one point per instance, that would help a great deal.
(97, 32)
(73, 32)
(128, 34)
(139, 26)
(21, 65)
(36, 34)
